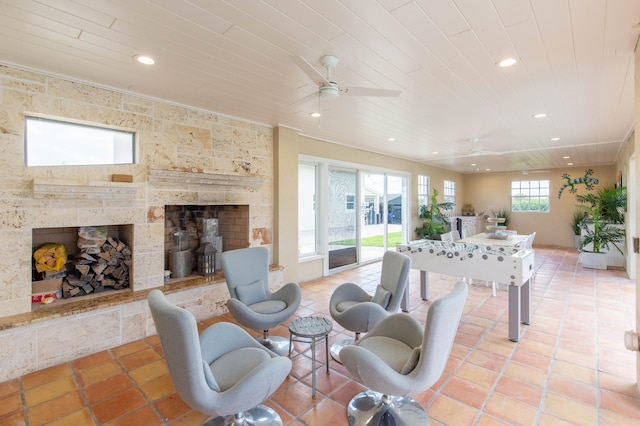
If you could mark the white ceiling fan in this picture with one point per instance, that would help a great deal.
(474, 151)
(329, 89)
(529, 170)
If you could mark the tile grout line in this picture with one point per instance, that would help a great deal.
(545, 388)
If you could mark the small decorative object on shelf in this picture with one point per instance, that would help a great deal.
(496, 230)
(206, 259)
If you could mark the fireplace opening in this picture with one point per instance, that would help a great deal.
(70, 262)
(193, 230)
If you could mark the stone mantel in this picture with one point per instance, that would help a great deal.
(170, 178)
(84, 304)
(99, 190)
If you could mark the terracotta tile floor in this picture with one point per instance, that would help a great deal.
(569, 368)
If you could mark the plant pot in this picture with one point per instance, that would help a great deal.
(593, 260)
(577, 240)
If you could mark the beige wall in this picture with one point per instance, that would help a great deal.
(636, 144)
(623, 166)
(492, 190)
(485, 191)
(285, 242)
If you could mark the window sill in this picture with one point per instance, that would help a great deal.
(311, 258)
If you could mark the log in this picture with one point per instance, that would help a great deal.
(83, 269)
(98, 268)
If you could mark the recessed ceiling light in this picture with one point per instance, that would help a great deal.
(144, 59)
(391, 139)
(566, 157)
(473, 164)
(435, 152)
(507, 62)
(540, 115)
(569, 164)
(554, 139)
(487, 170)
(315, 114)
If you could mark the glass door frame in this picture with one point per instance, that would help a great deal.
(356, 215)
(324, 165)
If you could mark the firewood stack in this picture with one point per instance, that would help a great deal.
(98, 268)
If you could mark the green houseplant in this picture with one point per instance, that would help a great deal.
(503, 213)
(605, 212)
(576, 221)
(433, 218)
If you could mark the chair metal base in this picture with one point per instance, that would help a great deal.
(257, 416)
(371, 408)
(277, 344)
(337, 347)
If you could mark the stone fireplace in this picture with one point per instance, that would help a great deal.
(184, 157)
(232, 228)
(200, 196)
(63, 330)
(86, 271)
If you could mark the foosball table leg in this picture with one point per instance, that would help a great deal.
(424, 285)
(515, 311)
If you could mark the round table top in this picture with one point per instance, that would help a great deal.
(311, 326)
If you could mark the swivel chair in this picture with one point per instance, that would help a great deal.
(252, 304)
(400, 357)
(223, 372)
(358, 311)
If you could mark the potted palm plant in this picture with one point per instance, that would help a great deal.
(601, 229)
(433, 218)
(576, 225)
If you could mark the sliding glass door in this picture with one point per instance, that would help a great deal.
(348, 215)
(342, 224)
(382, 210)
(396, 191)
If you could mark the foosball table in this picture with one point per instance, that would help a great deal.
(501, 264)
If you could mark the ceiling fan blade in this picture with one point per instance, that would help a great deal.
(311, 71)
(488, 153)
(468, 154)
(304, 100)
(369, 91)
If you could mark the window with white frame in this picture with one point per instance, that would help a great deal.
(307, 209)
(449, 192)
(350, 200)
(530, 196)
(50, 142)
(423, 191)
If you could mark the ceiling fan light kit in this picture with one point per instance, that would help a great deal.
(330, 92)
(328, 89)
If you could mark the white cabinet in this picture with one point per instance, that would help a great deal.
(473, 224)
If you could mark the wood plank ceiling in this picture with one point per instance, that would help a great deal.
(456, 107)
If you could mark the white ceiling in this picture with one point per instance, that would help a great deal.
(236, 58)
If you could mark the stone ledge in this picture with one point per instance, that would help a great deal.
(100, 191)
(69, 307)
(163, 178)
